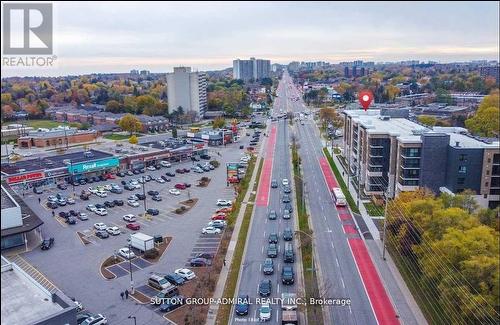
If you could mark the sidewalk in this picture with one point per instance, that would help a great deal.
(221, 283)
(408, 310)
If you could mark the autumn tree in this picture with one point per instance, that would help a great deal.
(329, 115)
(113, 106)
(133, 139)
(427, 120)
(486, 121)
(218, 123)
(130, 123)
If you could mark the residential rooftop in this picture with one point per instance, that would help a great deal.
(408, 131)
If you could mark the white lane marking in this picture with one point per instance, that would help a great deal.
(337, 260)
(332, 245)
(343, 284)
(350, 310)
(264, 234)
(324, 217)
(262, 250)
(278, 289)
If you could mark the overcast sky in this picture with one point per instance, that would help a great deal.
(118, 37)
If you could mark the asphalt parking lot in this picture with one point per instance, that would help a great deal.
(74, 267)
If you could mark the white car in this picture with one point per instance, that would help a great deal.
(133, 197)
(95, 320)
(129, 218)
(92, 190)
(101, 194)
(185, 273)
(174, 191)
(107, 187)
(151, 168)
(217, 222)
(70, 201)
(265, 312)
(210, 230)
(224, 203)
(165, 164)
(100, 226)
(160, 180)
(245, 159)
(285, 182)
(126, 253)
(113, 230)
(91, 208)
(133, 203)
(101, 212)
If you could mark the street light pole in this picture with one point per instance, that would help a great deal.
(384, 234)
(134, 318)
(144, 193)
(130, 268)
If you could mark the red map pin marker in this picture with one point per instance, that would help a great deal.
(365, 98)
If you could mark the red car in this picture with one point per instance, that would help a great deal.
(109, 176)
(179, 171)
(133, 226)
(233, 179)
(224, 210)
(219, 217)
(180, 186)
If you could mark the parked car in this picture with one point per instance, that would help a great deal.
(153, 212)
(118, 202)
(185, 273)
(91, 207)
(208, 256)
(133, 203)
(140, 196)
(224, 203)
(287, 275)
(101, 212)
(165, 178)
(37, 190)
(70, 201)
(175, 279)
(73, 213)
(62, 186)
(133, 226)
(165, 164)
(224, 210)
(126, 253)
(210, 230)
(102, 234)
(153, 193)
(180, 186)
(199, 261)
(205, 156)
(71, 221)
(160, 180)
(113, 230)
(174, 191)
(109, 204)
(170, 174)
(217, 224)
(83, 216)
(219, 216)
(172, 304)
(47, 244)
(179, 170)
(156, 198)
(100, 226)
(129, 218)
(95, 320)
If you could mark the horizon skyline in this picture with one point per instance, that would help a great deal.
(109, 38)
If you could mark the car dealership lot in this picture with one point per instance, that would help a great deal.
(74, 266)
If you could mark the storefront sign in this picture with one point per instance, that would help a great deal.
(94, 165)
(56, 173)
(25, 177)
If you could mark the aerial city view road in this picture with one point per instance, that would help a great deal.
(214, 163)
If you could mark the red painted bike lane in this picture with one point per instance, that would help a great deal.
(381, 304)
(267, 169)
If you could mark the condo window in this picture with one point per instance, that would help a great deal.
(462, 157)
(461, 181)
(462, 169)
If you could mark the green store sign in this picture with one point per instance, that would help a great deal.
(94, 165)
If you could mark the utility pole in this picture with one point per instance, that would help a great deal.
(384, 234)
(130, 268)
(144, 193)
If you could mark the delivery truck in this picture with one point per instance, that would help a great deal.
(142, 241)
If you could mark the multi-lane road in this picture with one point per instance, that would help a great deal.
(343, 265)
(276, 166)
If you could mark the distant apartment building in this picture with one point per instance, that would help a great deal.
(392, 154)
(251, 69)
(188, 90)
(134, 72)
(490, 71)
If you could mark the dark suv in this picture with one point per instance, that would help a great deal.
(242, 305)
(265, 288)
(47, 244)
(287, 234)
(268, 266)
(273, 238)
(287, 275)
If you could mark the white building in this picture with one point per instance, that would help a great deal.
(188, 90)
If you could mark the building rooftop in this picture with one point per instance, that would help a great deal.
(23, 302)
(52, 161)
(39, 133)
(410, 132)
(7, 200)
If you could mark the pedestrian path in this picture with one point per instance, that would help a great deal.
(33, 272)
